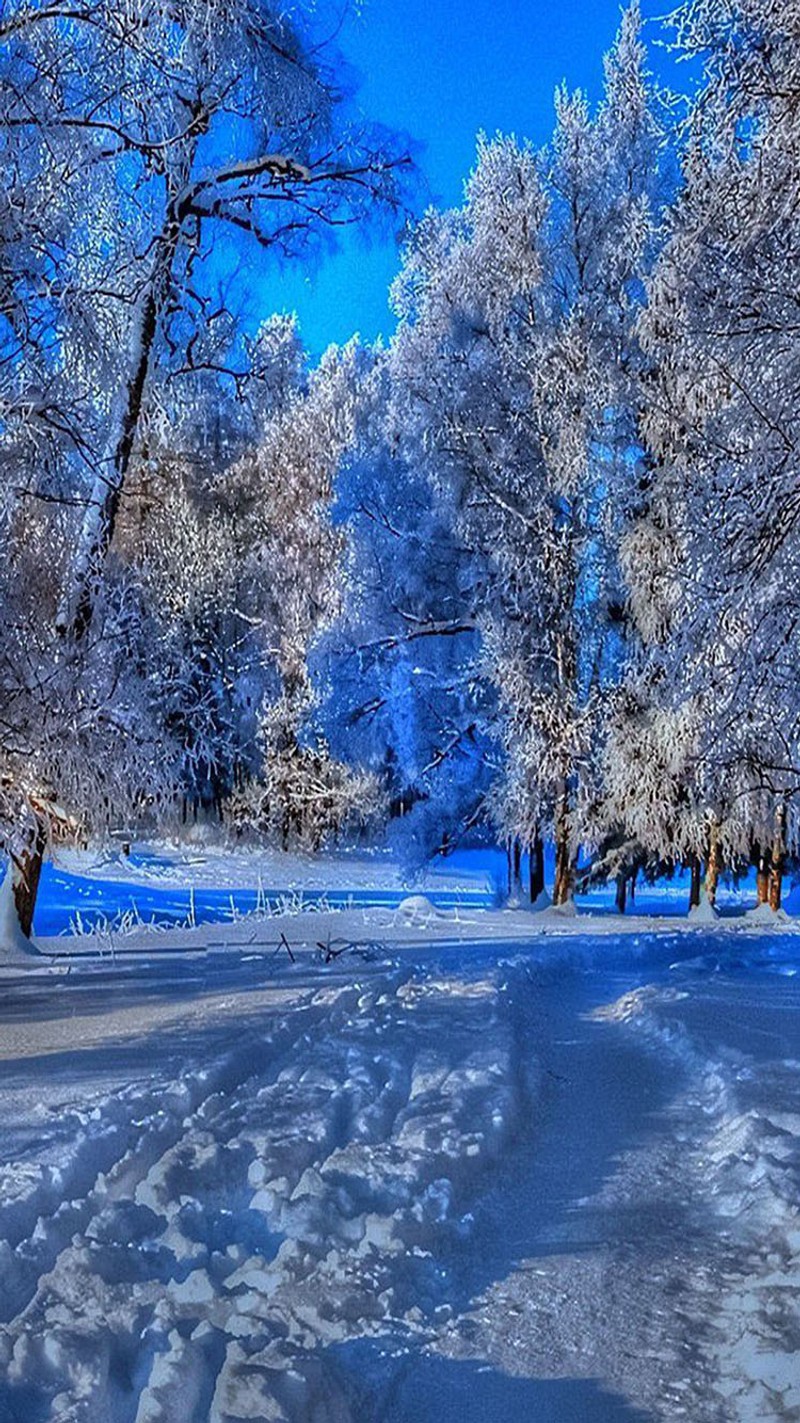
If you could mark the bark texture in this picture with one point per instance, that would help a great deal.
(536, 869)
(621, 895)
(713, 863)
(763, 877)
(777, 859)
(27, 872)
(695, 883)
(564, 884)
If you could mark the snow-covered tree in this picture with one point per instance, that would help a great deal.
(135, 143)
(158, 131)
(515, 370)
(241, 569)
(290, 556)
(713, 565)
(81, 749)
(404, 697)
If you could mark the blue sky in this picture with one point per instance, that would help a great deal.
(442, 70)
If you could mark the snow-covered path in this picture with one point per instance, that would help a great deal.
(452, 1185)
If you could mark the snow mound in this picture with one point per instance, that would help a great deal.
(763, 914)
(704, 913)
(556, 913)
(418, 909)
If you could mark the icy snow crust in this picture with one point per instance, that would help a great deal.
(404, 1164)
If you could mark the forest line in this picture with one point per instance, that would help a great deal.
(531, 566)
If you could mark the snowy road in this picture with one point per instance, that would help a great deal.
(456, 1185)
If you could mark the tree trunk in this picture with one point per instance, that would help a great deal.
(713, 863)
(778, 858)
(75, 613)
(694, 887)
(516, 859)
(26, 873)
(762, 877)
(536, 869)
(565, 867)
(621, 896)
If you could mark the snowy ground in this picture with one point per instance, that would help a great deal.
(205, 884)
(208, 883)
(475, 1166)
(213, 866)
